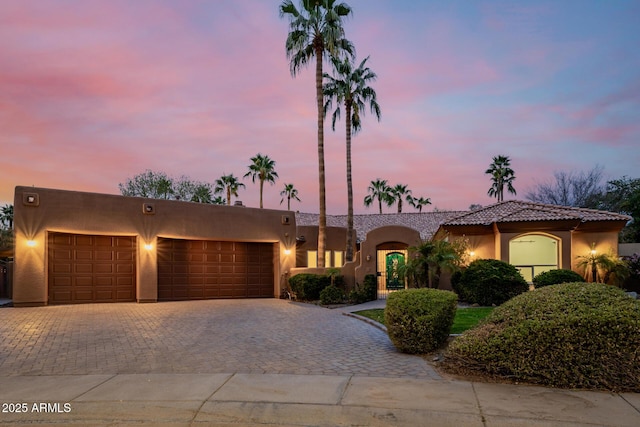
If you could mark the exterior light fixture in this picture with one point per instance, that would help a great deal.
(472, 254)
(148, 246)
(593, 248)
(287, 251)
(368, 257)
(31, 243)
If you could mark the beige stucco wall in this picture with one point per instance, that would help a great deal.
(91, 213)
(368, 248)
(605, 242)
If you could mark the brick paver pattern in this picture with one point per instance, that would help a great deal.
(213, 336)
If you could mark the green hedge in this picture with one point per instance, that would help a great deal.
(572, 335)
(419, 320)
(307, 287)
(556, 277)
(331, 295)
(368, 291)
(489, 282)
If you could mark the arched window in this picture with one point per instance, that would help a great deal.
(533, 254)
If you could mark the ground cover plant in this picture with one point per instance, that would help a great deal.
(572, 335)
(465, 318)
(489, 282)
(419, 320)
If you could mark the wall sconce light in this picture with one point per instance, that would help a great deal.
(368, 257)
(593, 248)
(31, 243)
(287, 251)
(472, 254)
(148, 246)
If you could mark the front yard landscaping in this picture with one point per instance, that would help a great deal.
(466, 318)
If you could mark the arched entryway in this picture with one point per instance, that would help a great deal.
(391, 257)
(533, 254)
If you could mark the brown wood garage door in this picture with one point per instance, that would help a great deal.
(85, 268)
(197, 269)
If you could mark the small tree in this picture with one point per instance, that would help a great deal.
(399, 193)
(501, 175)
(431, 259)
(228, 184)
(262, 168)
(603, 268)
(579, 189)
(379, 189)
(289, 192)
(418, 203)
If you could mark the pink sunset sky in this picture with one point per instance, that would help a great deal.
(94, 92)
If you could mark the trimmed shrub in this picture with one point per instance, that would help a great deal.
(556, 277)
(572, 335)
(489, 282)
(307, 287)
(331, 295)
(419, 320)
(368, 291)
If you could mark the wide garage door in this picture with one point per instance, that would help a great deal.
(85, 269)
(201, 269)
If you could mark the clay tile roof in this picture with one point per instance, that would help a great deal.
(518, 211)
(427, 223)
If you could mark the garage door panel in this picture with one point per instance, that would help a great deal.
(83, 255)
(78, 240)
(62, 268)
(104, 255)
(124, 256)
(212, 269)
(127, 269)
(85, 268)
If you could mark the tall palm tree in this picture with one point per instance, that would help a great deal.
(350, 87)
(501, 175)
(289, 192)
(228, 184)
(418, 203)
(263, 168)
(398, 193)
(379, 189)
(316, 32)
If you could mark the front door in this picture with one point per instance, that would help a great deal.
(390, 263)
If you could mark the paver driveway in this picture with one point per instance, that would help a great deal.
(214, 336)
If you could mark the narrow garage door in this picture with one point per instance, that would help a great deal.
(197, 269)
(85, 269)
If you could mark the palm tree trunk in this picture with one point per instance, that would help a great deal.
(349, 252)
(261, 187)
(289, 202)
(400, 204)
(322, 220)
(379, 203)
(228, 195)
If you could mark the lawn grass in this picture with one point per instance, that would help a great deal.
(466, 318)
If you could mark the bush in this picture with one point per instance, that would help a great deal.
(307, 287)
(489, 282)
(556, 277)
(331, 295)
(573, 335)
(368, 291)
(419, 320)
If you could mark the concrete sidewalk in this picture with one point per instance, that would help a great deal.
(301, 400)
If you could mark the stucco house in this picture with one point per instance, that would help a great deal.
(78, 247)
(534, 237)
